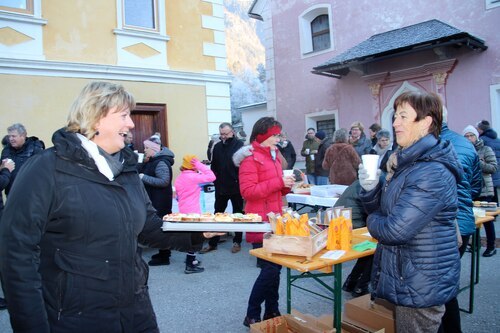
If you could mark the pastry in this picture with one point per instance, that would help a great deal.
(254, 217)
(223, 217)
(173, 217)
(207, 217)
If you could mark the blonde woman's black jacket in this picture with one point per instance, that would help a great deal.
(69, 255)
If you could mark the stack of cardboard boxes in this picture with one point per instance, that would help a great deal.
(361, 315)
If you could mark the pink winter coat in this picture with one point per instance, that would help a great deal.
(188, 189)
(261, 185)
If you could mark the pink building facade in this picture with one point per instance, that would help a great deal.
(363, 60)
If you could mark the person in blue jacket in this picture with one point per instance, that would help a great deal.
(468, 188)
(412, 214)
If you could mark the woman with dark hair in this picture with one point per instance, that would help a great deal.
(412, 215)
(262, 185)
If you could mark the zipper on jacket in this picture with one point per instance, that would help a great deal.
(400, 263)
(60, 298)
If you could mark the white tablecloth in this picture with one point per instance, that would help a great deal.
(222, 227)
(310, 200)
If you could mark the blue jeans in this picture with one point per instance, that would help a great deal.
(489, 228)
(321, 180)
(311, 179)
(265, 289)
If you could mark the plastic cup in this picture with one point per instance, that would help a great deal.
(140, 157)
(370, 163)
(306, 151)
(287, 173)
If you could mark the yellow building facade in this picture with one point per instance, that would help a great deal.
(170, 54)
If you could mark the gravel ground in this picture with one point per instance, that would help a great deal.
(215, 300)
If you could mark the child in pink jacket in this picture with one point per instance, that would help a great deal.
(188, 187)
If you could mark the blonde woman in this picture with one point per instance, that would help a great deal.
(70, 259)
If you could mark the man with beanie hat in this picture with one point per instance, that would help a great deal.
(490, 139)
(309, 150)
(156, 174)
(320, 135)
(489, 166)
(227, 185)
(471, 130)
(320, 173)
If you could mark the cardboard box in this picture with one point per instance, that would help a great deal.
(294, 323)
(371, 316)
(295, 245)
(349, 327)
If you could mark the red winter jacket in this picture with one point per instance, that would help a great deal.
(261, 185)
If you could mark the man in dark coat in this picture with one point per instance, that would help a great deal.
(357, 282)
(324, 143)
(227, 185)
(19, 149)
(6, 167)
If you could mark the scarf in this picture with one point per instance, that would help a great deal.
(392, 165)
(109, 165)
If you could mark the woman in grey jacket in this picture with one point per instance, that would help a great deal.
(489, 167)
(412, 215)
(69, 254)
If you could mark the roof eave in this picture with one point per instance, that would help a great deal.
(339, 69)
(254, 8)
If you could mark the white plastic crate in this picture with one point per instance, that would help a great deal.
(331, 191)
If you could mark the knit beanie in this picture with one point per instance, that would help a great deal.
(156, 138)
(186, 162)
(483, 125)
(471, 129)
(151, 145)
(320, 135)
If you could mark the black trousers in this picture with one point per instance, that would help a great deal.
(220, 206)
(265, 290)
(450, 323)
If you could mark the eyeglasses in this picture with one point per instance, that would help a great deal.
(225, 134)
(469, 135)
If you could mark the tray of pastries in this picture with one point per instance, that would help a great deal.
(213, 218)
(488, 206)
(302, 188)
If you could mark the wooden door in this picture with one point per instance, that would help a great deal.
(149, 119)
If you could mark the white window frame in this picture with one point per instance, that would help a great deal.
(305, 33)
(30, 9)
(495, 105)
(492, 4)
(134, 27)
(159, 34)
(312, 118)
